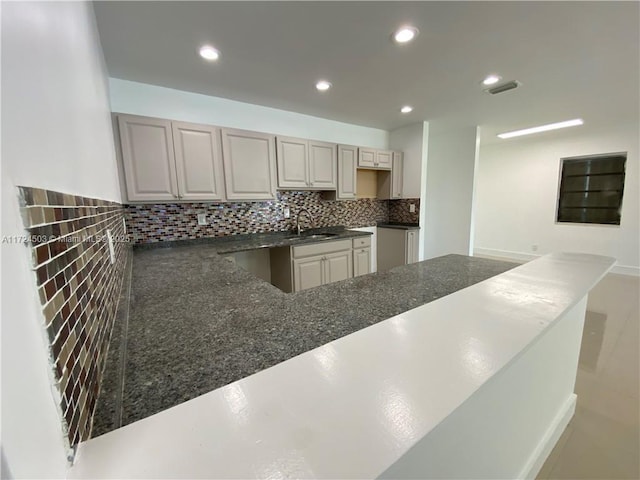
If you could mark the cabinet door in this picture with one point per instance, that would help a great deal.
(148, 158)
(198, 161)
(361, 261)
(396, 175)
(347, 164)
(411, 247)
(292, 163)
(249, 165)
(308, 272)
(383, 159)
(366, 157)
(323, 165)
(338, 266)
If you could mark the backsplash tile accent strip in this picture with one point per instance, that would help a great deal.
(399, 210)
(166, 222)
(79, 290)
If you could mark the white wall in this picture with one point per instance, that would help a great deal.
(449, 190)
(517, 194)
(153, 101)
(56, 134)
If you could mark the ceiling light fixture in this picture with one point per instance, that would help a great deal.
(323, 85)
(491, 79)
(542, 128)
(405, 34)
(407, 109)
(209, 53)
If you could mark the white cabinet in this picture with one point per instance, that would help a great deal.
(338, 266)
(323, 165)
(371, 158)
(164, 160)
(397, 247)
(148, 158)
(366, 157)
(249, 165)
(361, 261)
(293, 163)
(347, 174)
(198, 155)
(361, 255)
(383, 159)
(412, 245)
(306, 164)
(321, 263)
(397, 171)
(308, 272)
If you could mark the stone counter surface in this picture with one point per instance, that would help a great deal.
(198, 322)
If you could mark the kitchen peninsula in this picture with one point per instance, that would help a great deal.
(476, 384)
(198, 322)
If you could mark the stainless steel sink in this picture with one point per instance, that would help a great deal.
(311, 236)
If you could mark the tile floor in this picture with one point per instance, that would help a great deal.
(602, 441)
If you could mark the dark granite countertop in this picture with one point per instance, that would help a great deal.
(198, 322)
(253, 241)
(400, 226)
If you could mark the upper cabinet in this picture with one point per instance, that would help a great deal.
(198, 156)
(249, 165)
(397, 171)
(323, 165)
(347, 164)
(306, 164)
(169, 161)
(390, 182)
(374, 159)
(148, 158)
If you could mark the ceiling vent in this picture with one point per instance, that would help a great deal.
(505, 87)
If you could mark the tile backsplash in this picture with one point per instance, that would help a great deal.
(79, 289)
(399, 210)
(166, 222)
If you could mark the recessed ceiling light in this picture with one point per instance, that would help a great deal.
(323, 85)
(543, 128)
(407, 109)
(405, 34)
(209, 53)
(491, 79)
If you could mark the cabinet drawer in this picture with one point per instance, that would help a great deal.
(362, 242)
(321, 248)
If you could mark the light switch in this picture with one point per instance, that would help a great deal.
(287, 212)
(412, 208)
(202, 219)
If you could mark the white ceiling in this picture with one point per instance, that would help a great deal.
(574, 59)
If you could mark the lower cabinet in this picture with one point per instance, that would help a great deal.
(397, 247)
(361, 255)
(321, 263)
(298, 268)
(361, 261)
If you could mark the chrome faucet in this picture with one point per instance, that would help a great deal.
(300, 212)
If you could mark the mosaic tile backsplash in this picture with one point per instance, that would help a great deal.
(79, 289)
(166, 222)
(399, 210)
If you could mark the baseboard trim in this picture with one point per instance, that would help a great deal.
(549, 440)
(526, 257)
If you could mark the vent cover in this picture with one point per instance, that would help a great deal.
(505, 87)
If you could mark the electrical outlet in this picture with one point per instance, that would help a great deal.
(287, 212)
(534, 248)
(412, 208)
(202, 219)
